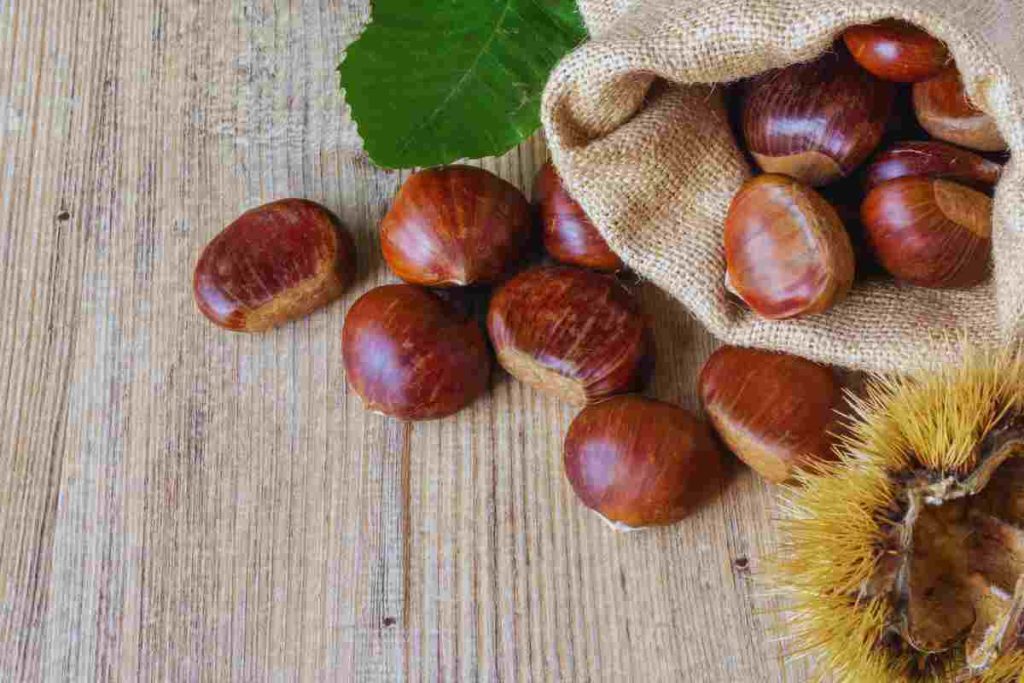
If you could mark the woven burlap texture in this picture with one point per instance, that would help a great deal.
(637, 129)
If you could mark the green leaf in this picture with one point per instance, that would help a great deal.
(432, 82)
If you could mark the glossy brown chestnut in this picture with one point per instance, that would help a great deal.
(944, 111)
(276, 263)
(816, 121)
(574, 333)
(934, 160)
(776, 412)
(410, 354)
(569, 236)
(932, 233)
(786, 251)
(639, 462)
(455, 226)
(896, 51)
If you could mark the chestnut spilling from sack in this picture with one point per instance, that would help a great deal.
(459, 236)
(840, 124)
(571, 329)
(903, 530)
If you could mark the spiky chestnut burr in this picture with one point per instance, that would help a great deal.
(905, 558)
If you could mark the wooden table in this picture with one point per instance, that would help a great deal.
(180, 503)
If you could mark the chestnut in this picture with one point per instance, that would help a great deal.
(275, 263)
(574, 333)
(896, 51)
(934, 160)
(816, 121)
(455, 226)
(786, 251)
(944, 111)
(776, 412)
(930, 232)
(639, 462)
(410, 354)
(569, 236)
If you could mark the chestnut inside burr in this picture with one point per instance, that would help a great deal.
(955, 567)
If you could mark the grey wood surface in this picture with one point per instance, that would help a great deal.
(181, 503)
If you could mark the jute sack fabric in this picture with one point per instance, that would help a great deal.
(638, 130)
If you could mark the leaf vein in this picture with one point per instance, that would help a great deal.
(407, 141)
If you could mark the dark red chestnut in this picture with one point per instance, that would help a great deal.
(574, 333)
(786, 251)
(455, 226)
(776, 412)
(934, 160)
(410, 354)
(639, 462)
(569, 236)
(896, 51)
(276, 263)
(932, 233)
(816, 121)
(945, 112)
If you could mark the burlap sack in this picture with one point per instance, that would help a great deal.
(656, 167)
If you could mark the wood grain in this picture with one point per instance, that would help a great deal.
(180, 503)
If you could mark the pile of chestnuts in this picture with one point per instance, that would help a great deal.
(872, 156)
(570, 327)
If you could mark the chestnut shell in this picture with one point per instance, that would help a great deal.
(930, 232)
(786, 250)
(575, 333)
(773, 410)
(816, 121)
(640, 462)
(896, 51)
(943, 109)
(410, 354)
(935, 160)
(569, 235)
(275, 263)
(456, 226)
